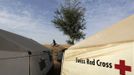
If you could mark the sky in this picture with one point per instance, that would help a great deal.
(32, 18)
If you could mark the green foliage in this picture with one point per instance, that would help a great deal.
(69, 18)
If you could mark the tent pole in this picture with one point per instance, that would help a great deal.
(29, 55)
(29, 64)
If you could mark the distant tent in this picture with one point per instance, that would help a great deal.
(22, 56)
(110, 52)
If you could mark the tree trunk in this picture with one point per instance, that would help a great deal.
(73, 41)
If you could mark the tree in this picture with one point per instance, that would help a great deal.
(70, 19)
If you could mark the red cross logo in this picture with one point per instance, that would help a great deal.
(122, 67)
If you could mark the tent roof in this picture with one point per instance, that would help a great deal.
(120, 32)
(13, 42)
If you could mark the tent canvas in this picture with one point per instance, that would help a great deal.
(14, 57)
(110, 52)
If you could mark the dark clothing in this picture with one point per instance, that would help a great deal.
(54, 71)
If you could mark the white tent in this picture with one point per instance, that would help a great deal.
(110, 52)
(22, 56)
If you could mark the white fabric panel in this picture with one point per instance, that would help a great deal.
(15, 66)
(108, 54)
(17, 63)
(13, 42)
(122, 31)
(111, 46)
(14, 58)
